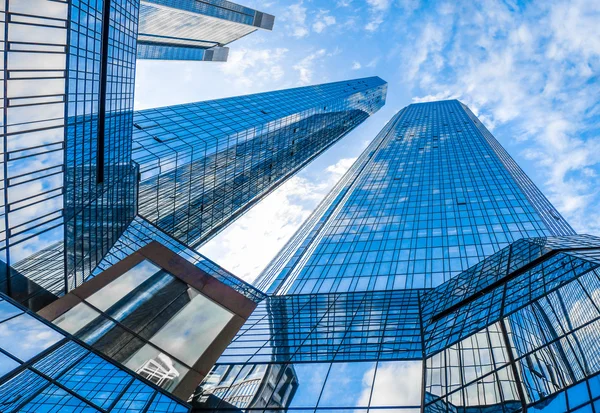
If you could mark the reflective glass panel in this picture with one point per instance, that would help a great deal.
(25, 337)
(119, 288)
(398, 383)
(348, 385)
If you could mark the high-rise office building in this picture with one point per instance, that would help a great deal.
(70, 186)
(435, 277)
(203, 164)
(433, 195)
(195, 29)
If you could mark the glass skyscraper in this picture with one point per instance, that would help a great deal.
(203, 164)
(70, 183)
(195, 29)
(434, 277)
(432, 195)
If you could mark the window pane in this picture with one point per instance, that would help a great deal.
(310, 378)
(76, 318)
(25, 337)
(7, 364)
(7, 310)
(348, 385)
(188, 334)
(398, 383)
(123, 285)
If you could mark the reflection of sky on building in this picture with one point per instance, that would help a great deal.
(348, 385)
(192, 329)
(518, 328)
(311, 377)
(151, 321)
(345, 385)
(434, 195)
(24, 337)
(34, 131)
(45, 371)
(229, 153)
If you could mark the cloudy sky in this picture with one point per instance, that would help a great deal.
(529, 70)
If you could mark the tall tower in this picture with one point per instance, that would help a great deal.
(434, 277)
(69, 182)
(203, 164)
(195, 29)
(433, 195)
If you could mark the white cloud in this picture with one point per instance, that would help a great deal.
(397, 383)
(377, 11)
(246, 247)
(295, 17)
(379, 5)
(323, 20)
(356, 65)
(373, 62)
(445, 95)
(530, 71)
(248, 66)
(305, 66)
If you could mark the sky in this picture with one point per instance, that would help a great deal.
(528, 70)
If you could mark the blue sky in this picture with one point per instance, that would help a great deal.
(529, 70)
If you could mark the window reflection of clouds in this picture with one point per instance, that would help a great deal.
(8, 310)
(310, 382)
(189, 333)
(6, 364)
(25, 337)
(347, 384)
(398, 383)
(119, 288)
(76, 318)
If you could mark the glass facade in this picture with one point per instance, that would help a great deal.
(504, 318)
(517, 331)
(202, 164)
(70, 186)
(45, 370)
(34, 47)
(140, 233)
(100, 182)
(157, 314)
(433, 195)
(184, 30)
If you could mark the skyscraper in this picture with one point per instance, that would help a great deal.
(434, 277)
(432, 195)
(203, 164)
(195, 30)
(70, 184)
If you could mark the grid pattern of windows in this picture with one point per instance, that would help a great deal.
(140, 233)
(550, 344)
(33, 56)
(162, 52)
(100, 192)
(43, 369)
(70, 95)
(513, 291)
(327, 327)
(182, 29)
(434, 197)
(513, 333)
(203, 164)
(304, 387)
